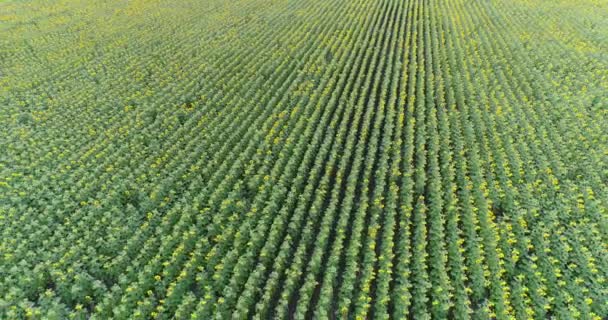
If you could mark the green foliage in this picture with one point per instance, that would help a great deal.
(393, 159)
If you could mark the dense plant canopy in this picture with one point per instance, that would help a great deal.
(326, 159)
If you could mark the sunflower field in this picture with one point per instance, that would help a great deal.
(309, 159)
